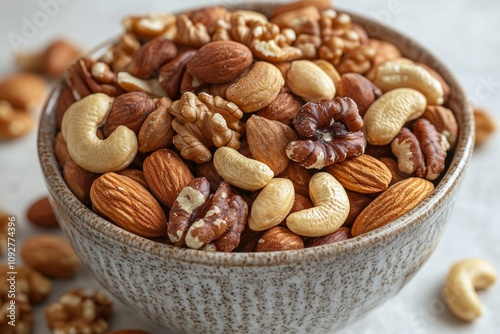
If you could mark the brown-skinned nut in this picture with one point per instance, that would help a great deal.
(129, 109)
(156, 131)
(268, 140)
(434, 146)
(444, 121)
(172, 72)
(485, 125)
(357, 203)
(278, 239)
(283, 109)
(207, 170)
(146, 61)
(51, 255)
(341, 234)
(79, 180)
(360, 89)
(397, 174)
(64, 100)
(299, 176)
(41, 214)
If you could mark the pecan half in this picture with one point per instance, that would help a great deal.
(334, 131)
(186, 206)
(86, 76)
(215, 222)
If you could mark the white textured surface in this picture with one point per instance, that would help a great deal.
(464, 34)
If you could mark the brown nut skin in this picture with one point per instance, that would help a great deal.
(129, 109)
(146, 62)
(51, 255)
(278, 239)
(40, 213)
(128, 204)
(220, 61)
(357, 203)
(341, 234)
(23, 90)
(360, 89)
(283, 109)
(166, 175)
(299, 176)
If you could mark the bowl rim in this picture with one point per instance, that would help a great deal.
(60, 192)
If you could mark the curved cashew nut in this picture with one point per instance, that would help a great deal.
(309, 81)
(386, 116)
(459, 291)
(240, 171)
(403, 74)
(79, 126)
(272, 204)
(331, 207)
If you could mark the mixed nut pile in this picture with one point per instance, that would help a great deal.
(230, 130)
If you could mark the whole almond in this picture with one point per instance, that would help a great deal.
(220, 61)
(51, 255)
(156, 131)
(128, 204)
(41, 214)
(146, 61)
(363, 174)
(166, 175)
(268, 140)
(393, 203)
(360, 89)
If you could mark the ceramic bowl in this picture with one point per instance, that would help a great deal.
(313, 290)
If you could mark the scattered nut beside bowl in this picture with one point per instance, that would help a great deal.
(240, 147)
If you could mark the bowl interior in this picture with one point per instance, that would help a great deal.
(458, 103)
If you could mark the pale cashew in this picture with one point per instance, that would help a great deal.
(272, 204)
(240, 171)
(386, 116)
(403, 74)
(459, 291)
(79, 126)
(307, 80)
(331, 207)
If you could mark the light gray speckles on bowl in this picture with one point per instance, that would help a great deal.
(315, 290)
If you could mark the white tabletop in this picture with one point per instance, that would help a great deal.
(462, 33)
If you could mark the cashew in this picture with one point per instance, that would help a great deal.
(402, 74)
(272, 204)
(386, 116)
(307, 80)
(258, 88)
(240, 171)
(130, 83)
(331, 207)
(79, 126)
(459, 291)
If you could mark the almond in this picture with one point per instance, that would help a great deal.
(79, 180)
(51, 255)
(360, 89)
(283, 109)
(299, 176)
(128, 204)
(156, 131)
(277, 239)
(41, 214)
(220, 61)
(23, 90)
(268, 140)
(363, 174)
(129, 109)
(166, 174)
(393, 203)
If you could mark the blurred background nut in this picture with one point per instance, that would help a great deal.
(52, 61)
(485, 125)
(79, 311)
(23, 91)
(51, 255)
(463, 279)
(31, 285)
(24, 317)
(4, 228)
(128, 331)
(14, 123)
(40, 213)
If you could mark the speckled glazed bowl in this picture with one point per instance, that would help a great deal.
(313, 290)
